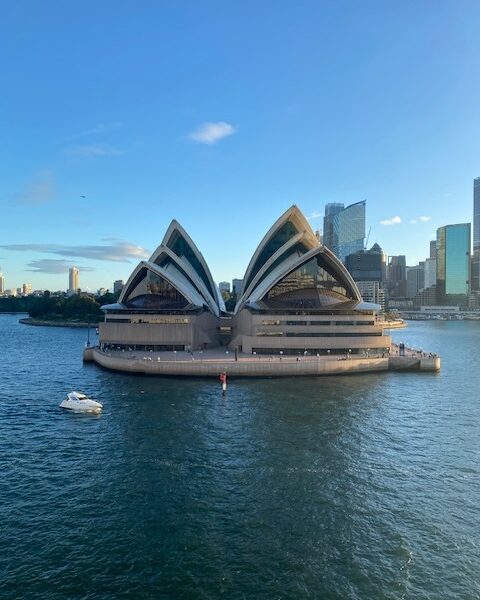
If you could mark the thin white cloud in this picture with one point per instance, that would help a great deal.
(211, 133)
(422, 219)
(39, 190)
(314, 215)
(120, 251)
(52, 265)
(94, 150)
(393, 221)
(97, 130)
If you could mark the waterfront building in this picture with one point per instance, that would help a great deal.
(224, 287)
(2, 283)
(296, 298)
(73, 280)
(453, 264)
(236, 286)
(344, 228)
(117, 286)
(396, 277)
(426, 297)
(372, 291)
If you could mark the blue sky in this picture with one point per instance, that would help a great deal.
(118, 116)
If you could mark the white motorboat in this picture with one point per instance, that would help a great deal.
(78, 402)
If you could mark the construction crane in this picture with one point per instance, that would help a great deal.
(367, 238)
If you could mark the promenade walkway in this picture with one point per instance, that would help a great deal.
(210, 363)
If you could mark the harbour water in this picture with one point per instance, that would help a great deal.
(360, 486)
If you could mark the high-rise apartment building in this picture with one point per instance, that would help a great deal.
(224, 287)
(415, 280)
(73, 280)
(117, 286)
(344, 228)
(453, 264)
(236, 285)
(372, 291)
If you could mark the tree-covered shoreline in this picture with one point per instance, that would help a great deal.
(84, 308)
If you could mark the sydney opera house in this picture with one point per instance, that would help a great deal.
(296, 298)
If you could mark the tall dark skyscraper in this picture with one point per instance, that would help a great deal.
(344, 228)
(397, 276)
(367, 265)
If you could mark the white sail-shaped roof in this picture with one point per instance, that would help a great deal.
(290, 249)
(178, 240)
(286, 227)
(163, 255)
(176, 271)
(173, 276)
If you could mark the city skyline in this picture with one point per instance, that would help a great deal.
(231, 277)
(129, 130)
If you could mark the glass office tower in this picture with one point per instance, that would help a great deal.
(344, 228)
(453, 264)
(476, 215)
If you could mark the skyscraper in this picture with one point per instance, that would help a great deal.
(2, 283)
(224, 287)
(236, 285)
(476, 215)
(453, 264)
(430, 272)
(475, 278)
(73, 280)
(397, 276)
(415, 280)
(344, 228)
(117, 285)
(367, 265)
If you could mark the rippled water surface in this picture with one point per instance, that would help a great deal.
(362, 486)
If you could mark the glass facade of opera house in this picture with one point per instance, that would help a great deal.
(296, 297)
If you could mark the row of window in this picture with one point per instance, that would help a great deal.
(142, 347)
(317, 323)
(344, 352)
(152, 320)
(312, 334)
